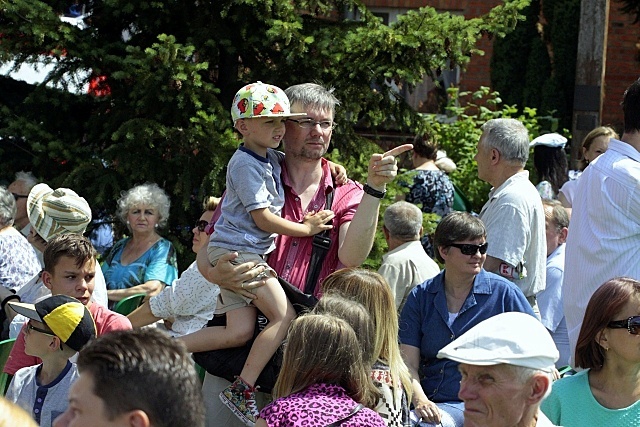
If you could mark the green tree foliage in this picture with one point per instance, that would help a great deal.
(543, 49)
(458, 133)
(172, 68)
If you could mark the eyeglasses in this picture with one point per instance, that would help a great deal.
(632, 324)
(201, 225)
(19, 196)
(30, 327)
(468, 249)
(308, 124)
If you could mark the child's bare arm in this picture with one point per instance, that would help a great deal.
(313, 223)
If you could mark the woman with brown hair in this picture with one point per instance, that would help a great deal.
(595, 143)
(323, 380)
(607, 392)
(389, 372)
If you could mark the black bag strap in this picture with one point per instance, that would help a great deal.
(321, 245)
(354, 411)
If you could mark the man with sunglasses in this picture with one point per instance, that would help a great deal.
(513, 215)
(20, 189)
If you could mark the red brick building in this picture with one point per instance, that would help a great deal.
(622, 64)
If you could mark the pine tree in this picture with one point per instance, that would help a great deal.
(163, 74)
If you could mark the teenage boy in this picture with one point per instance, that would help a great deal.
(58, 327)
(69, 269)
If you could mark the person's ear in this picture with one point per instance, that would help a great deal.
(540, 383)
(495, 156)
(562, 236)
(241, 126)
(421, 231)
(602, 340)
(138, 418)
(444, 252)
(385, 231)
(46, 279)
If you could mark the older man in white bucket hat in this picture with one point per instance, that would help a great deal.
(506, 364)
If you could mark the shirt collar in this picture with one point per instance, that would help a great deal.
(520, 176)
(624, 149)
(481, 284)
(253, 154)
(326, 180)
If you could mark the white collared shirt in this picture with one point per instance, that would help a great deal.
(514, 218)
(604, 238)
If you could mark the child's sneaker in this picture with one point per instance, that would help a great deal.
(240, 397)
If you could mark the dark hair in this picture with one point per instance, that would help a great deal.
(551, 165)
(144, 369)
(71, 245)
(455, 227)
(631, 107)
(425, 146)
(605, 304)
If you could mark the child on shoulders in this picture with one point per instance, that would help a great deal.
(249, 223)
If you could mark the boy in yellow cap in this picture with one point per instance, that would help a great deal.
(58, 327)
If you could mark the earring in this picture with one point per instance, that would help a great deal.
(128, 222)
(156, 226)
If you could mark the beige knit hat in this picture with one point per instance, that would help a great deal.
(53, 212)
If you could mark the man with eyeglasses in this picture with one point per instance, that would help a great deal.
(513, 215)
(20, 189)
(307, 179)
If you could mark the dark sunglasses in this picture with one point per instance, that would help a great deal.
(19, 196)
(468, 249)
(30, 327)
(632, 324)
(201, 225)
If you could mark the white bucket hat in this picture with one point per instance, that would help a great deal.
(552, 140)
(52, 212)
(512, 338)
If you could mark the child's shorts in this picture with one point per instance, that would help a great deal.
(229, 300)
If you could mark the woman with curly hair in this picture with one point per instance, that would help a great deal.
(144, 262)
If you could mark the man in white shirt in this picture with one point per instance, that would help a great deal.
(604, 241)
(513, 215)
(406, 264)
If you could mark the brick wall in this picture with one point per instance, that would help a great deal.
(622, 63)
(477, 72)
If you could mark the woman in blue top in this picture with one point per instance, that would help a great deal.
(144, 262)
(443, 308)
(607, 392)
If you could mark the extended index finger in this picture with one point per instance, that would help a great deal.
(398, 150)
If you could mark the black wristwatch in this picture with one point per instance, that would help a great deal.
(373, 192)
